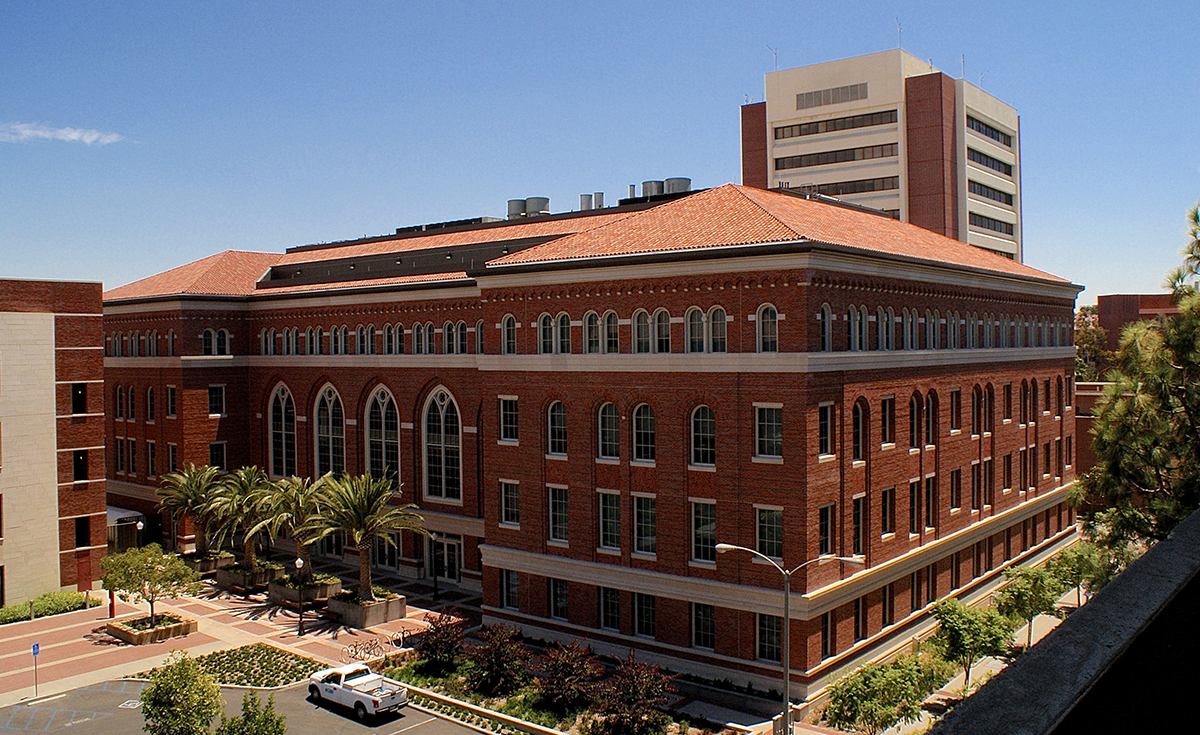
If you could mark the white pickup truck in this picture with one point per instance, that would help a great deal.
(354, 685)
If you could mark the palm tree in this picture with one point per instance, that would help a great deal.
(188, 493)
(242, 500)
(293, 507)
(360, 506)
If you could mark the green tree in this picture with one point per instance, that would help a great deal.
(628, 704)
(968, 634)
(1029, 592)
(242, 501)
(1076, 566)
(189, 493)
(442, 642)
(292, 509)
(147, 574)
(878, 696)
(181, 699)
(1147, 425)
(361, 506)
(1091, 344)
(256, 718)
(499, 664)
(569, 674)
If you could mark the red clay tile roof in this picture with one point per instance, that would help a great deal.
(365, 283)
(509, 231)
(231, 273)
(733, 215)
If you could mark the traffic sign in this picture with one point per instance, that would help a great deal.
(36, 648)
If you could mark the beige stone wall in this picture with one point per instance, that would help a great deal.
(29, 475)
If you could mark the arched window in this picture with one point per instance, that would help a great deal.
(171, 343)
(331, 433)
(283, 433)
(889, 331)
(360, 340)
(430, 348)
(556, 429)
(208, 342)
(222, 342)
(977, 410)
(609, 432)
(133, 345)
(641, 332)
(508, 336)
(546, 335)
(826, 319)
(132, 404)
(448, 340)
(462, 338)
(120, 397)
(443, 469)
(716, 329)
(370, 339)
(989, 409)
(389, 340)
(564, 334)
(318, 339)
(591, 333)
(695, 330)
(643, 433)
(479, 337)
(704, 436)
(289, 344)
(852, 329)
(612, 338)
(914, 421)
(768, 329)
(383, 436)
(662, 331)
(152, 344)
(150, 402)
(858, 430)
(931, 418)
(334, 346)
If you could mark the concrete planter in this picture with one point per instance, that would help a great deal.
(205, 565)
(241, 579)
(279, 593)
(152, 635)
(357, 615)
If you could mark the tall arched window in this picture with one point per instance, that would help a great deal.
(768, 329)
(826, 319)
(152, 344)
(641, 332)
(564, 334)
(208, 342)
(508, 335)
(443, 469)
(389, 340)
(612, 338)
(858, 439)
(609, 432)
(283, 433)
(430, 332)
(462, 338)
(591, 333)
(931, 418)
(133, 345)
(150, 402)
(716, 329)
(222, 342)
(977, 410)
(370, 339)
(120, 396)
(643, 433)
(132, 403)
(914, 421)
(383, 436)
(448, 340)
(852, 329)
(556, 429)
(889, 331)
(360, 340)
(479, 337)
(418, 339)
(331, 433)
(695, 330)
(662, 331)
(704, 436)
(546, 335)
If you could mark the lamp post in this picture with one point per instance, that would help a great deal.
(299, 568)
(140, 526)
(787, 616)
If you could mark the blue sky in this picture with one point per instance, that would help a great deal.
(135, 137)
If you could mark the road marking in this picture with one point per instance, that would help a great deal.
(414, 725)
(43, 700)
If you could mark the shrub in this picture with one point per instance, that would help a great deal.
(499, 664)
(569, 674)
(51, 603)
(442, 642)
(628, 704)
(878, 696)
(181, 699)
(256, 719)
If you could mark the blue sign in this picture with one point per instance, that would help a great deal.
(36, 647)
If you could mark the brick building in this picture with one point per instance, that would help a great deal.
(52, 500)
(584, 404)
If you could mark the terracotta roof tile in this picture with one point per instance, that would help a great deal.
(231, 273)
(364, 283)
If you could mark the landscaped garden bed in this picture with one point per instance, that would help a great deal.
(258, 665)
(239, 576)
(355, 613)
(140, 631)
(289, 589)
(210, 562)
(51, 603)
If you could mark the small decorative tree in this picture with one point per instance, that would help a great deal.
(879, 696)
(256, 718)
(292, 508)
(442, 642)
(1029, 592)
(569, 674)
(499, 665)
(1073, 567)
(189, 493)
(147, 574)
(242, 501)
(181, 699)
(968, 634)
(628, 704)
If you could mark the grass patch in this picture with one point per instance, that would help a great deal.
(292, 582)
(51, 603)
(256, 665)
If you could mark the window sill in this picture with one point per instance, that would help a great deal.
(149, 422)
(556, 457)
(974, 511)
(1006, 422)
(508, 442)
(216, 415)
(858, 463)
(608, 460)
(930, 447)
(608, 551)
(171, 416)
(701, 564)
(558, 544)
(822, 458)
(756, 459)
(987, 434)
(702, 467)
(975, 437)
(888, 536)
(913, 536)
(444, 501)
(886, 446)
(914, 450)
(648, 463)
(510, 526)
(929, 530)
(644, 555)
(955, 432)
(955, 511)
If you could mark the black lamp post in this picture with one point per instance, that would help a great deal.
(300, 590)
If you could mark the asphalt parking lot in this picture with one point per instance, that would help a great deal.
(112, 708)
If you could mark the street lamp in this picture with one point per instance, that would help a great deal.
(300, 589)
(787, 615)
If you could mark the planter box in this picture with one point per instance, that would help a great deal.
(247, 580)
(278, 593)
(355, 615)
(153, 635)
(209, 564)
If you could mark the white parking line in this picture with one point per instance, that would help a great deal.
(414, 725)
(43, 700)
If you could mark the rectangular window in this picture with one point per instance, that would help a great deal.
(931, 502)
(887, 420)
(558, 513)
(930, 583)
(171, 401)
(645, 524)
(984, 129)
(1045, 465)
(989, 483)
(216, 455)
(987, 192)
(1023, 463)
(151, 460)
(831, 96)
(859, 512)
(887, 611)
(78, 398)
(216, 400)
(770, 532)
(769, 431)
(976, 486)
(837, 123)
(828, 645)
(956, 487)
(914, 507)
(508, 419)
(987, 161)
(559, 599)
(610, 608)
(80, 465)
(83, 532)
(510, 503)
(825, 429)
(825, 529)
(510, 589)
(859, 186)
(1008, 471)
(887, 510)
(172, 458)
(704, 531)
(955, 410)
(914, 588)
(132, 450)
(770, 635)
(990, 223)
(1058, 458)
(610, 520)
(1008, 414)
(1069, 445)
(860, 619)
(844, 155)
(119, 447)
(704, 625)
(643, 614)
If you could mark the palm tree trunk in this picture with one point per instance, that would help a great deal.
(248, 552)
(364, 572)
(305, 554)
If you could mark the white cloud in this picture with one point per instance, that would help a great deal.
(23, 132)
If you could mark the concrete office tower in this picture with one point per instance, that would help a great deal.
(889, 131)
